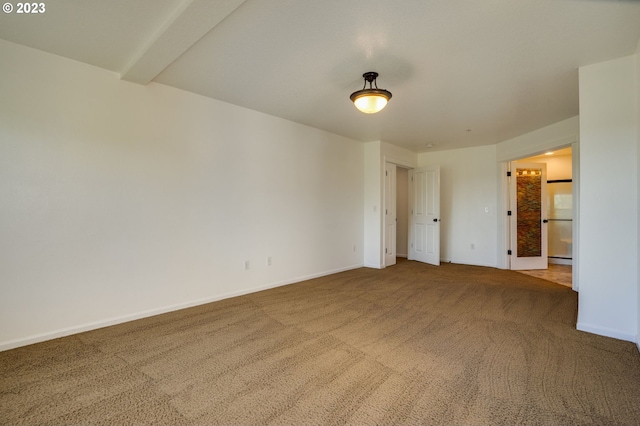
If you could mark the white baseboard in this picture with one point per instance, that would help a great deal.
(560, 261)
(607, 332)
(42, 337)
(466, 262)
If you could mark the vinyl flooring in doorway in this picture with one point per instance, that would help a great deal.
(560, 274)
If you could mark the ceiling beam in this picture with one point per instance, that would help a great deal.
(188, 24)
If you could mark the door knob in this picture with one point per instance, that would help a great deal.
(545, 221)
(435, 220)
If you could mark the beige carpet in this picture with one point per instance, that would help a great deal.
(411, 344)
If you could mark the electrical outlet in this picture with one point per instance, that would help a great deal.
(473, 246)
(246, 265)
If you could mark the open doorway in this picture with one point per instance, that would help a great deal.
(411, 214)
(396, 213)
(558, 215)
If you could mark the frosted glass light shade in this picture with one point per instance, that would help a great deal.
(370, 104)
(370, 100)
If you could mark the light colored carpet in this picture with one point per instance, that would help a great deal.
(411, 344)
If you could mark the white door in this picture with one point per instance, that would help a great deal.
(390, 217)
(424, 220)
(528, 220)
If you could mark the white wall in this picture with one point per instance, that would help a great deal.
(559, 167)
(608, 298)
(372, 205)
(638, 165)
(560, 134)
(468, 183)
(119, 201)
(396, 155)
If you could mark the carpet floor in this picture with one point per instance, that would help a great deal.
(410, 344)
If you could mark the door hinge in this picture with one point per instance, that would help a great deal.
(386, 211)
(508, 212)
(386, 172)
(508, 173)
(385, 251)
(509, 252)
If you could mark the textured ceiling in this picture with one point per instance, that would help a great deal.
(462, 72)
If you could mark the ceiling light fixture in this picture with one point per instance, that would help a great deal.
(370, 100)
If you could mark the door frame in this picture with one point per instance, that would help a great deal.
(389, 213)
(503, 201)
(383, 234)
